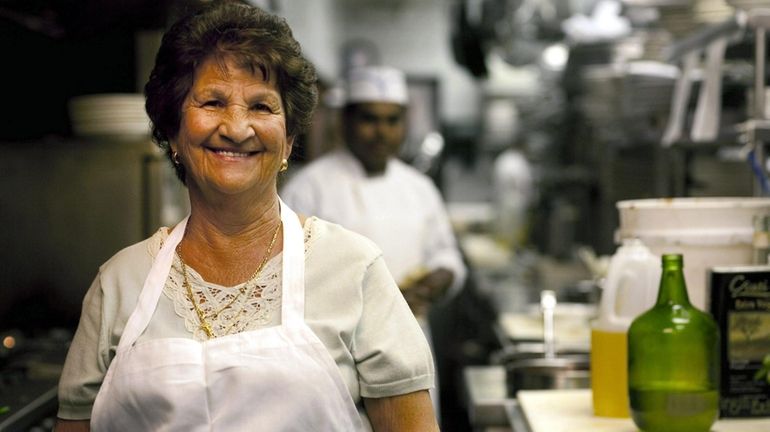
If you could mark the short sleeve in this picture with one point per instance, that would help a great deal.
(391, 353)
(86, 363)
(106, 307)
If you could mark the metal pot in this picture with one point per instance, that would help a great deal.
(552, 370)
(532, 350)
(548, 373)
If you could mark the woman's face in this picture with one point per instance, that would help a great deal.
(232, 135)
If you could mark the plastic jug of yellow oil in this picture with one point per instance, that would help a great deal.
(629, 289)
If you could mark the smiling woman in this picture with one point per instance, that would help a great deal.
(233, 136)
(231, 319)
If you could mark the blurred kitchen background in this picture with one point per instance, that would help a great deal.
(534, 118)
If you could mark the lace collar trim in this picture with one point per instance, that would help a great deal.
(228, 312)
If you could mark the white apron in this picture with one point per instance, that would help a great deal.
(279, 378)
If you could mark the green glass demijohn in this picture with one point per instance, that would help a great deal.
(673, 360)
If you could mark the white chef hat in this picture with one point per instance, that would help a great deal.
(376, 84)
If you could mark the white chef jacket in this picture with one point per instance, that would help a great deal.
(401, 211)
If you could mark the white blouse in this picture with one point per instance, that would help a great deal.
(352, 304)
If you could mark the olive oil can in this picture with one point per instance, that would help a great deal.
(740, 303)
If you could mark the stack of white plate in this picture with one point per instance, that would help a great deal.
(712, 11)
(624, 101)
(682, 19)
(114, 115)
(748, 5)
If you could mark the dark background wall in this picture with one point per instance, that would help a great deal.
(55, 49)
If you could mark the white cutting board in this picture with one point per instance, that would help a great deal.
(572, 411)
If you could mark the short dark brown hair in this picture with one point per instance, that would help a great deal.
(255, 39)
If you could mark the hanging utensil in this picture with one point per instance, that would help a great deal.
(682, 90)
(705, 126)
(548, 304)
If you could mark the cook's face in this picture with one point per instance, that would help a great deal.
(232, 136)
(374, 133)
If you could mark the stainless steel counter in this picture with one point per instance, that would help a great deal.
(490, 408)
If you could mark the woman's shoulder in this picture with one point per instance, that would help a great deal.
(334, 239)
(136, 256)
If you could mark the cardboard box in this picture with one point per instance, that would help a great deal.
(740, 303)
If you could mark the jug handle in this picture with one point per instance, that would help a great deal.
(632, 271)
(608, 303)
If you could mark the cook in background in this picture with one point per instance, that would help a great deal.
(233, 319)
(364, 187)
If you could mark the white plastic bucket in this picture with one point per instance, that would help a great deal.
(708, 232)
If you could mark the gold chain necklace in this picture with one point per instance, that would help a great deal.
(204, 324)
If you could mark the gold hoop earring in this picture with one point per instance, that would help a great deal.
(284, 165)
(175, 158)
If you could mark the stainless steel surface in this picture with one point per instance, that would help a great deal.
(541, 366)
(682, 89)
(705, 36)
(28, 380)
(529, 350)
(485, 395)
(571, 410)
(488, 405)
(567, 372)
(759, 74)
(516, 417)
(760, 22)
(707, 113)
(39, 411)
(73, 204)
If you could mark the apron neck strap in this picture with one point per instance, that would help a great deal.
(153, 286)
(293, 277)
